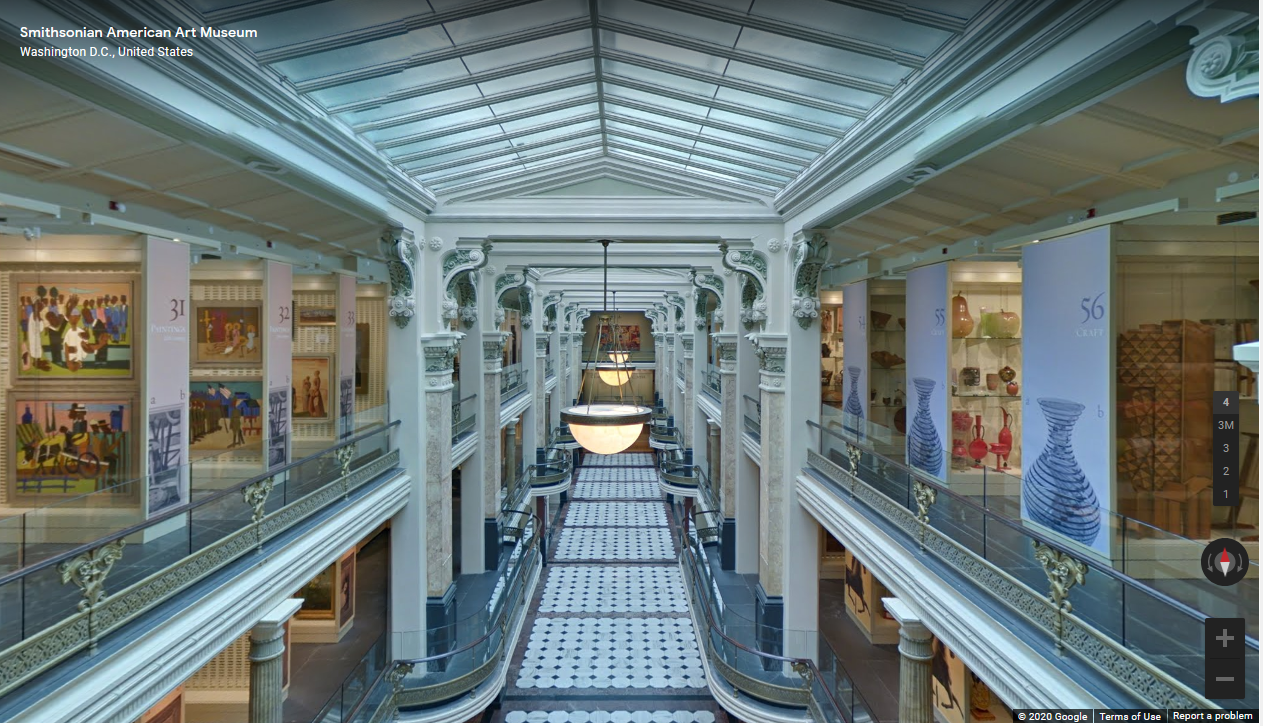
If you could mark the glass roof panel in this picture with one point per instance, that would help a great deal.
(712, 132)
(593, 126)
(772, 128)
(364, 55)
(634, 154)
(534, 78)
(736, 155)
(658, 78)
(680, 138)
(681, 23)
(546, 118)
(489, 133)
(662, 52)
(492, 145)
(383, 136)
(612, 87)
(812, 55)
(584, 89)
(313, 22)
(510, 20)
(385, 85)
(683, 127)
(579, 153)
(803, 86)
(531, 50)
(851, 22)
(798, 111)
(509, 156)
(412, 105)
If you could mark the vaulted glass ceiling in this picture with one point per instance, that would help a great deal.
(460, 93)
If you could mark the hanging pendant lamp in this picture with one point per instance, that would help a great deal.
(606, 428)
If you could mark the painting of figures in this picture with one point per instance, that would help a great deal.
(75, 330)
(71, 445)
(225, 414)
(311, 388)
(628, 337)
(227, 335)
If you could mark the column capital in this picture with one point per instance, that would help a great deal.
(726, 352)
(439, 351)
(541, 346)
(493, 351)
(910, 625)
(686, 340)
(272, 626)
(772, 351)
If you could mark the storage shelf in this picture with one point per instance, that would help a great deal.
(989, 340)
(984, 395)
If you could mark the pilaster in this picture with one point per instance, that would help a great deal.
(492, 369)
(729, 445)
(439, 351)
(687, 412)
(916, 703)
(267, 645)
(772, 353)
(541, 391)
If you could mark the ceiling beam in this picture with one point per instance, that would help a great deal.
(973, 204)
(451, 108)
(502, 136)
(458, 11)
(936, 219)
(910, 14)
(1072, 161)
(792, 30)
(735, 84)
(695, 136)
(455, 52)
(1175, 133)
(497, 153)
(1009, 183)
(657, 110)
(692, 150)
(256, 9)
(526, 113)
(770, 184)
(736, 108)
(472, 79)
(741, 56)
(520, 161)
(594, 14)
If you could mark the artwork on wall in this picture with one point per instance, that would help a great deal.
(316, 316)
(70, 444)
(346, 589)
(948, 683)
(227, 334)
(278, 427)
(74, 329)
(167, 483)
(856, 597)
(826, 320)
(629, 337)
(169, 710)
(317, 596)
(346, 405)
(361, 358)
(311, 387)
(225, 414)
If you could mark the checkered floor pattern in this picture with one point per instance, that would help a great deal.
(616, 514)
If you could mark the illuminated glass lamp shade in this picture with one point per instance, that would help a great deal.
(613, 375)
(606, 428)
(619, 356)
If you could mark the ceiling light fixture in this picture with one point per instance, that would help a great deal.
(606, 428)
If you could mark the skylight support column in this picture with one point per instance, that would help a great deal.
(472, 505)
(492, 370)
(439, 350)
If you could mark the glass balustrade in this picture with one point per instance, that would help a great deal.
(513, 381)
(752, 417)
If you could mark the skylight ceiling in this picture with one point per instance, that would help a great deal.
(461, 92)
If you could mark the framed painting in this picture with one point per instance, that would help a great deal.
(72, 444)
(346, 589)
(361, 358)
(312, 386)
(225, 414)
(318, 596)
(316, 316)
(168, 480)
(228, 334)
(629, 337)
(77, 329)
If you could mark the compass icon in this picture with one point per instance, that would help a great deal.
(1225, 562)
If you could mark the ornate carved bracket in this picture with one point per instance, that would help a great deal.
(810, 256)
(713, 283)
(401, 263)
(551, 301)
(925, 496)
(568, 321)
(255, 495)
(88, 572)
(751, 265)
(458, 264)
(1225, 60)
(677, 305)
(1064, 572)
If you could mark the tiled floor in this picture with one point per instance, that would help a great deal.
(608, 638)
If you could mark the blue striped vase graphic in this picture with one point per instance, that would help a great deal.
(924, 451)
(1058, 494)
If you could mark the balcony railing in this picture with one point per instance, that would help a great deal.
(513, 381)
(746, 654)
(714, 383)
(752, 417)
(52, 611)
(550, 367)
(483, 641)
(1134, 614)
(464, 415)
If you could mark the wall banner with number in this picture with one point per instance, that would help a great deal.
(346, 354)
(166, 302)
(927, 346)
(278, 299)
(855, 358)
(1067, 399)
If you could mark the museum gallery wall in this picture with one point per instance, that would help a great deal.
(72, 368)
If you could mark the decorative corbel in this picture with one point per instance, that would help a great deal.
(810, 256)
(504, 283)
(1225, 59)
(677, 305)
(568, 318)
(458, 268)
(401, 263)
(751, 265)
(715, 284)
(551, 301)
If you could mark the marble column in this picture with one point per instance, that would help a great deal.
(746, 504)
(510, 454)
(439, 350)
(542, 429)
(729, 446)
(472, 513)
(492, 371)
(916, 703)
(267, 648)
(684, 419)
(773, 492)
(657, 364)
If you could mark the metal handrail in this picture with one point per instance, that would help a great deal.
(504, 618)
(184, 508)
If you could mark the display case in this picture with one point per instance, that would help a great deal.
(831, 356)
(887, 356)
(984, 318)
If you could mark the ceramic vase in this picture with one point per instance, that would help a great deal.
(1006, 325)
(924, 451)
(978, 447)
(1057, 492)
(1005, 437)
(853, 406)
(962, 321)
